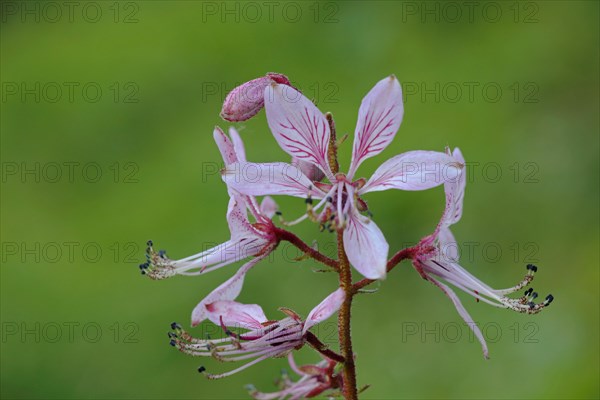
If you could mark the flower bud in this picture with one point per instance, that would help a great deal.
(243, 102)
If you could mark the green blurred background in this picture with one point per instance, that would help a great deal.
(78, 320)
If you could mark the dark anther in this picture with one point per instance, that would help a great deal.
(172, 335)
(308, 200)
(201, 369)
(175, 325)
(149, 243)
(277, 212)
(330, 199)
(143, 272)
(173, 342)
(534, 295)
(532, 267)
(531, 304)
(549, 299)
(162, 253)
(528, 291)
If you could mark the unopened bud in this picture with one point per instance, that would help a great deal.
(243, 102)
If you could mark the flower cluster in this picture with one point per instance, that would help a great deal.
(335, 201)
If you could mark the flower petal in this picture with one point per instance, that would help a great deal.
(463, 313)
(225, 146)
(228, 290)
(366, 247)
(298, 126)
(448, 246)
(237, 218)
(238, 144)
(379, 118)
(259, 179)
(268, 207)
(413, 170)
(325, 309)
(234, 314)
(455, 192)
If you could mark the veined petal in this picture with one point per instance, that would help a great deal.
(325, 309)
(225, 146)
(413, 170)
(234, 314)
(259, 179)
(228, 290)
(463, 313)
(298, 126)
(379, 118)
(366, 246)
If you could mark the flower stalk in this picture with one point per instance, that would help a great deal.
(345, 313)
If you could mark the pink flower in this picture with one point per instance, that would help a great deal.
(303, 132)
(246, 100)
(314, 380)
(262, 338)
(247, 239)
(437, 258)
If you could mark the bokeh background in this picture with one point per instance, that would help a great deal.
(106, 127)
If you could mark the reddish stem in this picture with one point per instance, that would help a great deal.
(403, 254)
(288, 236)
(322, 348)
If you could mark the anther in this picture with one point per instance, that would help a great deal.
(534, 295)
(172, 335)
(149, 243)
(175, 326)
(173, 342)
(549, 299)
(528, 291)
(279, 213)
(330, 199)
(531, 267)
(309, 200)
(201, 369)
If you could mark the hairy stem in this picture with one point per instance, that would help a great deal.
(349, 371)
(403, 254)
(288, 236)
